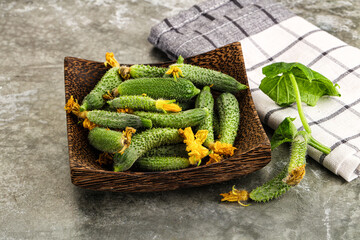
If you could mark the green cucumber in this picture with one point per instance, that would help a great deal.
(143, 142)
(117, 120)
(229, 117)
(141, 71)
(161, 163)
(143, 103)
(106, 140)
(188, 118)
(206, 100)
(186, 105)
(176, 150)
(94, 100)
(206, 77)
(165, 88)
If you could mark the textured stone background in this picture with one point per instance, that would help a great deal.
(37, 199)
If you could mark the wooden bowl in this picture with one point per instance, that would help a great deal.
(253, 146)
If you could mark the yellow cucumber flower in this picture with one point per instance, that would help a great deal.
(236, 196)
(175, 71)
(194, 147)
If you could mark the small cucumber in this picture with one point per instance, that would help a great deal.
(188, 118)
(106, 140)
(141, 71)
(117, 120)
(94, 100)
(143, 142)
(271, 189)
(165, 88)
(206, 100)
(144, 103)
(229, 117)
(205, 77)
(176, 150)
(162, 163)
(186, 105)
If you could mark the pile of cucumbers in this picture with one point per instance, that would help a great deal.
(153, 103)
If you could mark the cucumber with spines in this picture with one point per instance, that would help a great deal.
(207, 77)
(161, 163)
(188, 118)
(206, 100)
(117, 120)
(106, 140)
(144, 103)
(166, 88)
(141, 71)
(143, 142)
(176, 150)
(94, 100)
(271, 189)
(229, 117)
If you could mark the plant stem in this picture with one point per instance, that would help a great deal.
(314, 143)
(298, 103)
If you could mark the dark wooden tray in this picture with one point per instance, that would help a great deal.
(253, 146)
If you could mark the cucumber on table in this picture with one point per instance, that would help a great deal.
(183, 119)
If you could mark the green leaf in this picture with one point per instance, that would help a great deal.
(285, 132)
(279, 68)
(312, 85)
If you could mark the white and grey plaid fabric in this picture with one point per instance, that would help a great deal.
(268, 33)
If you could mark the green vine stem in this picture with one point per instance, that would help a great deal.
(298, 103)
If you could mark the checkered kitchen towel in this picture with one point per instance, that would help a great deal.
(270, 33)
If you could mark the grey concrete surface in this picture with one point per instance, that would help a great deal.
(37, 199)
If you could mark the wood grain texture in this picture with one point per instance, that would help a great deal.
(253, 146)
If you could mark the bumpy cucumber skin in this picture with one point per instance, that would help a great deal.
(143, 142)
(117, 120)
(188, 118)
(186, 105)
(206, 100)
(298, 151)
(165, 88)
(105, 140)
(134, 103)
(205, 77)
(271, 189)
(94, 100)
(229, 117)
(142, 71)
(155, 164)
(176, 150)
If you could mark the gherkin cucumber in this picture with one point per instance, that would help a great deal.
(141, 71)
(117, 120)
(206, 100)
(144, 103)
(298, 151)
(94, 100)
(183, 119)
(106, 140)
(176, 150)
(162, 163)
(143, 142)
(271, 189)
(229, 117)
(205, 77)
(166, 88)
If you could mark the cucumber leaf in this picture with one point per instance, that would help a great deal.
(312, 85)
(285, 132)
